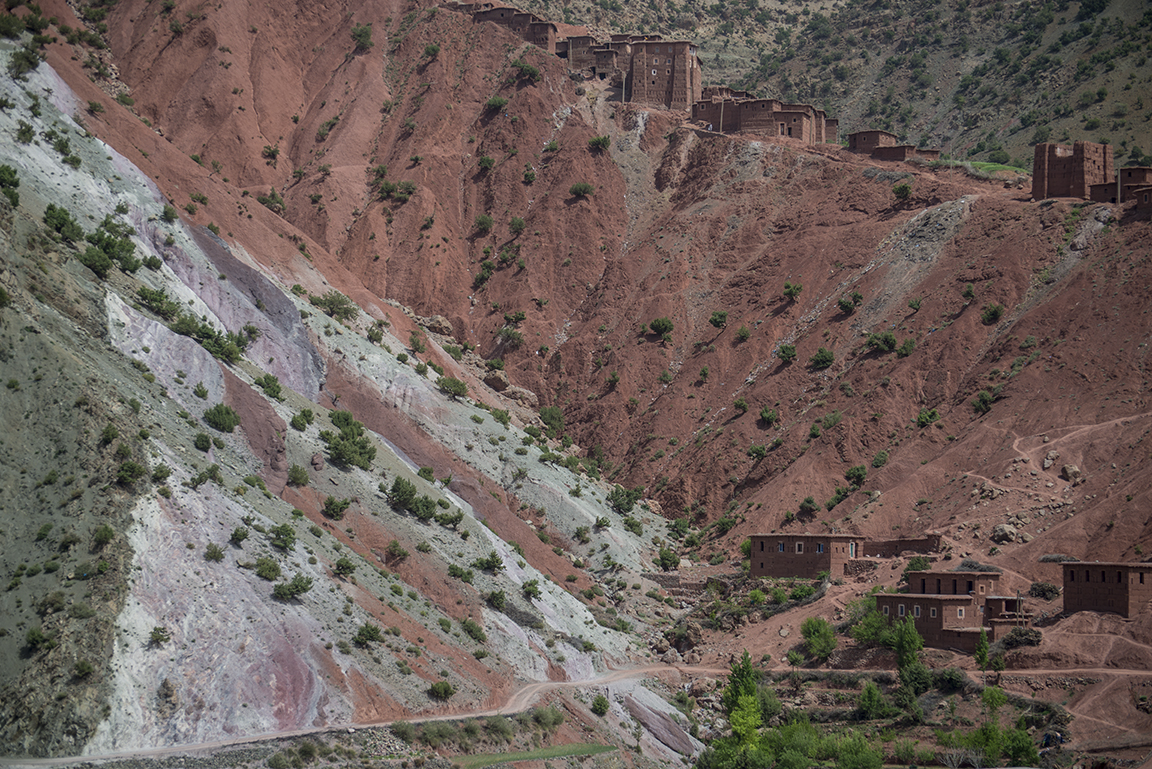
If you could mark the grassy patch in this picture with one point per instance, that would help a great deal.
(555, 751)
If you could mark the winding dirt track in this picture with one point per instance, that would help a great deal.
(518, 701)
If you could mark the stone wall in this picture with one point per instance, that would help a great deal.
(891, 548)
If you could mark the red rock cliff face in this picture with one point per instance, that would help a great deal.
(680, 225)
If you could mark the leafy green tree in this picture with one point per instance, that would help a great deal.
(745, 720)
(661, 326)
(362, 34)
(993, 698)
(599, 143)
(906, 642)
(819, 637)
(402, 493)
(1018, 748)
(871, 703)
(743, 678)
(600, 705)
(856, 475)
(581, 190)
(857, 753)
(981, 652)
(719, 318)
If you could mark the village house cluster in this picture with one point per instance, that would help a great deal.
(667, 74)
(949, 608)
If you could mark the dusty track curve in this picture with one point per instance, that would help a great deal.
(518, 701)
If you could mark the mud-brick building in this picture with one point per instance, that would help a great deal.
(1060, 171)
(881, 145)
(950, 608)
(663, 73)
(1129, 181)
(1120, 588)
(865, 142)
(729, 111)
(803, 555)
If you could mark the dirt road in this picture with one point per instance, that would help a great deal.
(518, 701)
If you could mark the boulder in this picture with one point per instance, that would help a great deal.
(497, 380)
(1003, 532)
(1070, 472)
(437, 324)
(523, 397)
(317, 462)
(1051, 458)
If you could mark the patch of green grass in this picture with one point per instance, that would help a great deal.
(555, 751)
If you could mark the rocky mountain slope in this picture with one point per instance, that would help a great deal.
(950, 357)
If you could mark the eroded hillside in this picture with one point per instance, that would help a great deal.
(749, 335)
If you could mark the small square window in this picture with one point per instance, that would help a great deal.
(819, 547)
(960, 613)
(799, 547)
(916, 611)
(900, 610)
(885, 611)
(932, 612)
(779, 547)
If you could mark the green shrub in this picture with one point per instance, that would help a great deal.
(819, 638)
(441, 690)
(221, 417)
(991, 313)
(129, 472)
(600, 705)
(334, 508)
(351, 446)
(581, 190)
(335, 305)
(496, 103)
(362, 35)
(1045, 591)
(902, 191)
(880, 459)
(267, 568)
(104, 534)
(367, 634)
(473, 630)
(792, 290)
(927, 417)
(822, 359)
(786, 353)
(599, 143)
(297, 476)
(213, 553)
